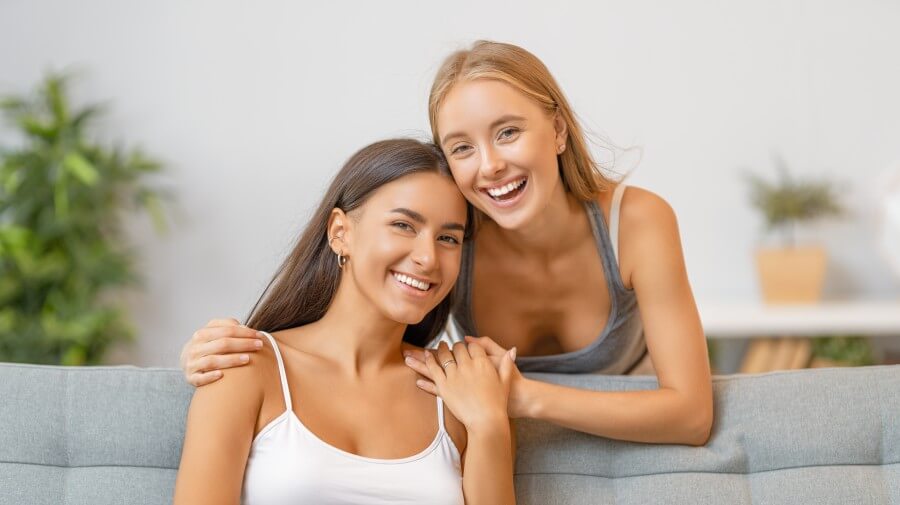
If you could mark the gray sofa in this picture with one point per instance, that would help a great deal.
(112, 435)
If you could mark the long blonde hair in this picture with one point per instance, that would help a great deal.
(523, 71)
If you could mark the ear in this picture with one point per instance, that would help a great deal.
(561, 128)
(338, 229)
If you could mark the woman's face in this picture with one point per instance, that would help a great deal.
(502, 148)
(404, 245)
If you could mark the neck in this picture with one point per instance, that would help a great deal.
(355, 335)
(555, 229)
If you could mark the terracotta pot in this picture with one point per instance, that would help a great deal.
(791, 275)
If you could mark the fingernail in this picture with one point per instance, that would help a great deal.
(408, 360)
(407, 354)
(245, 358)
(243, 325)
(427, 354)
(512, 353)
(260, 334)
(420, 383)
(217, 374)
(258, 344)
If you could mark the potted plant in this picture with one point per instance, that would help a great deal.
(847, 350)
(63, 256)
(791, 272)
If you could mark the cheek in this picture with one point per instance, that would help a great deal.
(463, 172)
(377, 251)
(536, 156)
(450, 261)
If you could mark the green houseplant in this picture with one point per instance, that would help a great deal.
(62, 252)
(792, 273)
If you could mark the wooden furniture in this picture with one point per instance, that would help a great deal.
(780, 335)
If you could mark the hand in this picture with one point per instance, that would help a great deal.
(468, 383)
(216, 347)
(516, 403)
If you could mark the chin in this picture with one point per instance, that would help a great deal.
(407, 316)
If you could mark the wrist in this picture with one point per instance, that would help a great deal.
(495, 427)
(521, 398)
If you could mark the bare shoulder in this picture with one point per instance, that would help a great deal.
(648, 231)
(644, 208)
(244, 385)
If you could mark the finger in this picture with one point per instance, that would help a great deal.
(436, 373)
(228, 345)
(492, 348)
(204, 378)
(477, 352)
(416, 354)
(427, 386)
(204, 335)
(223, 322)
(446, 360)
(461, 354)
(218, 362)
(507, 365)
(418, 366)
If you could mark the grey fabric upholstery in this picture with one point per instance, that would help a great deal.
(113, 435)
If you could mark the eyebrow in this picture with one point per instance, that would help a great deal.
(501, 120)
(415, 216)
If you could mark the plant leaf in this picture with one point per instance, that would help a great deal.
(81, 168)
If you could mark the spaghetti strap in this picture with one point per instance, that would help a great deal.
(440, 414)
(614, 219)
(284, 384)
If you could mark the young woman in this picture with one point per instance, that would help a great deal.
(328, 412)
(576, 272)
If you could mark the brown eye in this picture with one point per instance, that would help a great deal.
(403, 226)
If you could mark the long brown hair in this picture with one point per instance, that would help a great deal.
(581, 174)
(304, 285)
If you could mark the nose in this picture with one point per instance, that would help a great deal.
(492, 164)
(423, 253)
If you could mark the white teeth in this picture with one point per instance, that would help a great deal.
(502, 190)
(421, 285)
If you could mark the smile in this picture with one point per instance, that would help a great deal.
(419, 284)
(506, 192)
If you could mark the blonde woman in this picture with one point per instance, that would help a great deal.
(577, 272)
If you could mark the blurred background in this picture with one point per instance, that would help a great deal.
(244, 110)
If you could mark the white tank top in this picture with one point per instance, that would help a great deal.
(290, 465)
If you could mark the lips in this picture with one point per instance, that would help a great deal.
(507, 192)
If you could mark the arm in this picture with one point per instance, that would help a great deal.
(220, 425)
(475, 392)
(681, 410)
(488, 465)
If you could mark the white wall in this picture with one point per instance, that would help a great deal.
(254, 105)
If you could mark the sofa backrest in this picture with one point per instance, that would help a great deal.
(113, 435)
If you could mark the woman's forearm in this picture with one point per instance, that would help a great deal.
(658, 416)
(488, 470)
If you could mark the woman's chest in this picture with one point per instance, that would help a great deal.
(542, 309)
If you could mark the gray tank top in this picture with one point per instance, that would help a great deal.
(618, 348)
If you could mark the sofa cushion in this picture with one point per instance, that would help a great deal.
(104, 435)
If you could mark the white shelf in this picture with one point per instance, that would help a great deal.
(876, 318)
